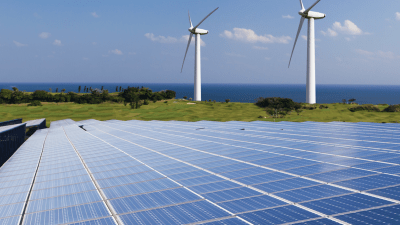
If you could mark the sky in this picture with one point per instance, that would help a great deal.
(248, 42)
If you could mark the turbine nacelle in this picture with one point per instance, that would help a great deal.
(312, 14)
(198, 31)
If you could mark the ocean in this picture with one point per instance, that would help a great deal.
(364, 94)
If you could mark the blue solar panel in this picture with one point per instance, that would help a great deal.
(173, 173)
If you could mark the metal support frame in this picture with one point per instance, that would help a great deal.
(11, 122)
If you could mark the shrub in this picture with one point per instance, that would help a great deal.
(309, 107)
(146, 102)
(190, 99)
(166, 102)
(392, 108)
(35, 103)
(227, 100)
(184, 97)
(323, 107)
(367, 107)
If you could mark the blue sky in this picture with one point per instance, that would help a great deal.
(145, 41)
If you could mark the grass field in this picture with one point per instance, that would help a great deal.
(180, 110)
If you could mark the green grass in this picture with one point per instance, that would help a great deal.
(180, 110)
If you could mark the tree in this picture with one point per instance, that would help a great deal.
(56, 90)
(63, 90)
(120, 88)
(50, 90)
(184, 97)
(102, 88)
(79, 89)
(227, 100)
(116, 89)
(344, 101)
(352, 100)
(15, 88)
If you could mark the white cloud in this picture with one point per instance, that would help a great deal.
(248, 35)
(185, 39)
(94, 43)
(260, 48)
(104, 55)
(57, 42)
(364, 52)
(387, 55)
(304, 37)
(44, 35)
(132, 53)
(397, 15)
(19, 44)
(379, 54)
(161, 39)
(348, 28)
(116, 51)
(94, 14)
(171, 40)
(85, 59)
(330, 32)
(267, 58)
(287, 17)
(347, 39)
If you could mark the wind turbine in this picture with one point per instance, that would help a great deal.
(311, 16)
(197, 66)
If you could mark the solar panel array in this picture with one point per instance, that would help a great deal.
(40, 123)
(153, 172)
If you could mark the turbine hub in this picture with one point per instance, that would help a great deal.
(312, 14)
(198, 31)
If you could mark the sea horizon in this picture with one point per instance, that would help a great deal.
(236, 92)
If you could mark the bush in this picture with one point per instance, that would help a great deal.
(227, 100)
(367, 107)
(309, 107)
(392, 108)
(35, 103)
(323, 107)
(146, 102)
(184, 97)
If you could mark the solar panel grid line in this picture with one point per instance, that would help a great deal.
(353, 190)
(270, 168)
(160, 207)
(314, 152)
(98, 189)
(31, 186)
(364, 210)
(171, 179)
(89, 220)
(281, 139)
(346, 157)
(274, 196)
(219, 219)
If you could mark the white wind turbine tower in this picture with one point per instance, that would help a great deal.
(311, 16)
(197, 66)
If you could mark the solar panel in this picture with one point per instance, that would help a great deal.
(155, 172)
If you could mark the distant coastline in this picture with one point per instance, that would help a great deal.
(364, 94)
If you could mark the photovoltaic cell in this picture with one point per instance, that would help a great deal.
(174, 173)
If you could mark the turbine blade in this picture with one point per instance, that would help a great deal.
(297, 36)
(301, 4)
(187, 48)
(308, 10)
(206, 18)
(190, 21)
